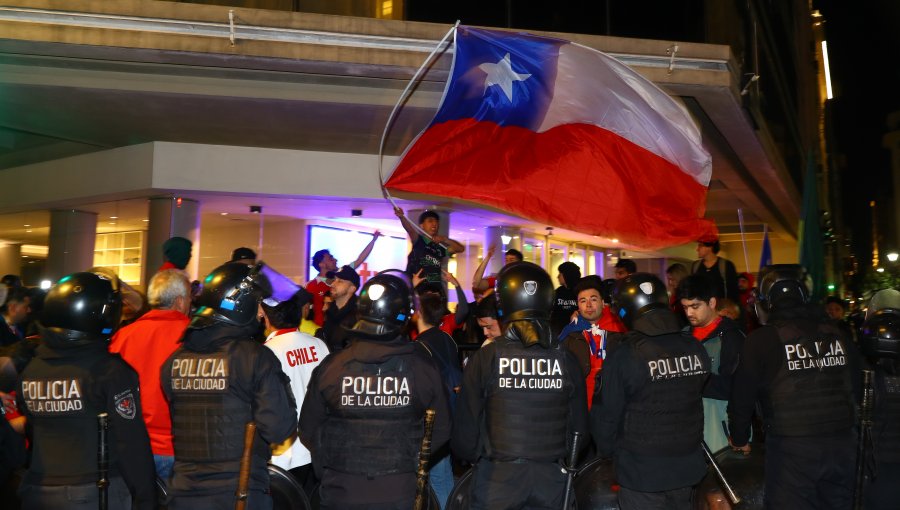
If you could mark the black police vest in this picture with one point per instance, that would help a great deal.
(375, 422)
(63, 418)
(665, 417)
(527, 406)
(886, 429)
(811, 393)
(208, 417)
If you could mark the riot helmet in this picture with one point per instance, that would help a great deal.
(638, 294)
(607, 287)
(880, 336)
(231, 295)
(781, 286)
(524, 291)
(83, 306)
(385, 304)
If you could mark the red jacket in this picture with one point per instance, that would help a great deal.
(145, 345)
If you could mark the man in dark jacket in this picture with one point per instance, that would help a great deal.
(800, 368)
(70, 381)
(340, 314)
(521, 400)
(217, 382)
(650, 411)
(362, 418)
(723, 340)
(565, 302)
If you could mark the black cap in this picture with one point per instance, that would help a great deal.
(345, 273)
(243, 253)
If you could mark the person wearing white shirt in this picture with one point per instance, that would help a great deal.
(299, 353)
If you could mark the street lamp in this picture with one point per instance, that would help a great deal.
(893, 256)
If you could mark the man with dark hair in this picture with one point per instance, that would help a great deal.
(564, 300)
(299, 354)
(14, 312)
(801, 369)
(340, 312)
(723, 340)
(443, 350)
(649, 412)
(323, 262)
(428, 253)
(719, 269)
(244, 256)
(624, 267)
(146, 344)
(486, 316)
(482, 284)
(593, 333)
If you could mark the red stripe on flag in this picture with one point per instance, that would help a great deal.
(574, 176)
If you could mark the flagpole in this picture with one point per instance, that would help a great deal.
(392, 117)
(743, 240)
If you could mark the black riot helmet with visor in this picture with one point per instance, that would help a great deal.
(385, 305)
(880, 335)
(231, 295)
(781, 286)
(638, 294)
(83, 306)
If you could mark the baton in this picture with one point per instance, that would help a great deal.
(571, 458)
(243, 490)
(865, 431)
(103, 459)
(729, 491)
(424, 453)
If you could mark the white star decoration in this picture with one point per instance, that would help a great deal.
(503, 75)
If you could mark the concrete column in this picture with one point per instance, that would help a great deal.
(172, 217)
(71, 246)
(495, 236)
(10, 259)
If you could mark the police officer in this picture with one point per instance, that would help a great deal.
(521, 399)
(362, 417)
(799, 367)
(217, 382)
(650, 417)
(71, 380)
(880, 344)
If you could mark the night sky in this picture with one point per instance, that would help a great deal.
(864, 46)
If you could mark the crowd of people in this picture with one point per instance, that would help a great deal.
(335, 379)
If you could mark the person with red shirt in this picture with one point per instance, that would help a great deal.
(145, 345)
(593, 333)
(723, 340)
(324, 262)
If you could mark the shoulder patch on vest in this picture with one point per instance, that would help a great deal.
(125, 405)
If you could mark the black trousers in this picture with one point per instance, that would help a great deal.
(513, 485)
(676, 499)
(810, 473)
(883, 492)
(74, 497)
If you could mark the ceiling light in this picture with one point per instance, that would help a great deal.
(26, 225)
(145, 221)
(113, 217)
(223, 213)
(28, 231)
(615, 241)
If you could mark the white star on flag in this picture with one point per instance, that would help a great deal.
(503, 75)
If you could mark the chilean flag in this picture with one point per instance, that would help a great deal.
(564, 135)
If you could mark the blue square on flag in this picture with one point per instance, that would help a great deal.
(508, 81)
